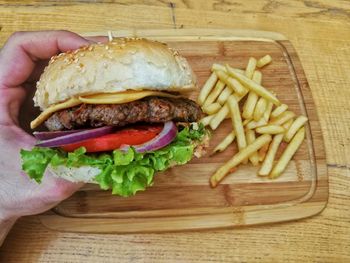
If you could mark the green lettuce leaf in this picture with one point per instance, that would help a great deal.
(125, 172)
(34, 162)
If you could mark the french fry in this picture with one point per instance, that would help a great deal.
(225, 142)
(219, 117)
(238, 87)
(246, 121)
(216, 67)
(252, 85)
(212, 108)
(279, 110)
(241, 71)
(270, 129)
(260, 108)
(239, 97)
(249, 105)
(214, 94)
(296, 125)
(267, 113)
(237, 122)
(287, 124)
(263, 121)
(264, 61)
(257, 77)
(262, 152)
(254, 124)
(249, 71)
(254, 158)
(267, 164)
(238, 158)
(219, 99)
(234, 84)
(207, 87)
(288, 153)
(224, 95)
(229, 69)
(206, 120)
(282, 118)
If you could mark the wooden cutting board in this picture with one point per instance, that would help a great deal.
(181, 198)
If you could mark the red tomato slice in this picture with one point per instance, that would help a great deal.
(129, 136)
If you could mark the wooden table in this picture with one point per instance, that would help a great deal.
(320, 32)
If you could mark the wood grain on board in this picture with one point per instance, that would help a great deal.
(181, 198)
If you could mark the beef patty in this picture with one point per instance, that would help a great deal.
(150, 109)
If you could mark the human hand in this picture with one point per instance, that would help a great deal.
(21, 61)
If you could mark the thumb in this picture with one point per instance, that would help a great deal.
(23, 49)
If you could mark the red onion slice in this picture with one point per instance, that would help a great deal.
(76, 137)
(45, 135)
(165, 137)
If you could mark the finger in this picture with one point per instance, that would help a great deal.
(57, 189)
(102, 39)
(10, 102)
(23, 49)
(45, 44)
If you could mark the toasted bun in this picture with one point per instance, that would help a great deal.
(119, 65)
(85, 174)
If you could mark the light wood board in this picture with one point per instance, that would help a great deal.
(181, 198)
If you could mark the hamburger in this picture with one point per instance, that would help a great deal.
(116, 114)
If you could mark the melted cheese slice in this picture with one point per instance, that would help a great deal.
(104, 98)
(122, 97)
(52, 109)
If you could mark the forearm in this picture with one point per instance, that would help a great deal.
(5, 227)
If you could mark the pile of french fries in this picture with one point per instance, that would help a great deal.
(259, 125)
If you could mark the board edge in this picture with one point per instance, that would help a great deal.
(232, 220)
(193, 34)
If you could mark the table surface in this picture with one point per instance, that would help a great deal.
(319, 31)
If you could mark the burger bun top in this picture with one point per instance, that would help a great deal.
(119, 65)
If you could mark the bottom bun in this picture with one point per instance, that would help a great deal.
(85, 174)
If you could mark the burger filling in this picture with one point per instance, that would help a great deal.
(126, 143)
(147, 110)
